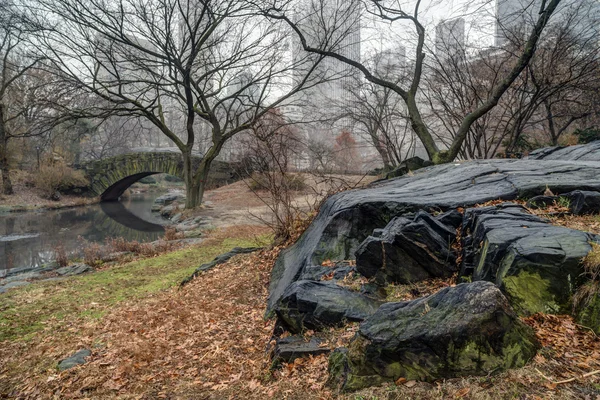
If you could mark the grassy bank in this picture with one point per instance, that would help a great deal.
(58, 304)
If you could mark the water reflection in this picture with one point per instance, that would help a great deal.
(29, 239)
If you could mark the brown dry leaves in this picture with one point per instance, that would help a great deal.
(206, 341)
(569, 350)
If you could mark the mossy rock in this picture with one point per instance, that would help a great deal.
(588, 314)
(465, 330)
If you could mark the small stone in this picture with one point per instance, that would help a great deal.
(177, 218)
(75, 269)
(584, 202)
(75, 360)
(293, 347)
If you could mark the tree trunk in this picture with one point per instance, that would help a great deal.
(419, 127)
(191, 189)
(195, 182)
(7, 187)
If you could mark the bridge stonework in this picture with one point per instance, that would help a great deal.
(110, 177)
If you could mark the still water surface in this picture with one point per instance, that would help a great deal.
(29, 239)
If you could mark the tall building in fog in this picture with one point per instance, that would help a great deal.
(449, 38)
(516, 18)
(340, 23)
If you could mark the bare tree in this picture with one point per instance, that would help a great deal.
(398, 13)
(556, 89)
(15, 65)
(378, 113)
(174, 63)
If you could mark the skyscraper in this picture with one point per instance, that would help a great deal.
(449, 38)
(336, 26)
(516, 18)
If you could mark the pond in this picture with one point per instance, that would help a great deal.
(29, 239)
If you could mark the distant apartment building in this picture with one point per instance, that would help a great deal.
(340, 23)
(449, 38)
(515, 19)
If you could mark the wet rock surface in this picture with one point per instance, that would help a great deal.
(537, 265)
(75, 269)
(292, 347)
(318, 305)
(432, 224)
(408, 250)
(584, 152)
(465, 330)
(348, 218)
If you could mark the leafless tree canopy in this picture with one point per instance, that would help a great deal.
(408, 14)
(179, 64)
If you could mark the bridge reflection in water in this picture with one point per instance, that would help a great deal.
(30, 239)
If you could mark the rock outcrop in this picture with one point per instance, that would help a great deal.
(414, 228)
(465, 330)
(348, 218)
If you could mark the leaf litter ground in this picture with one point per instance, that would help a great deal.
(209, 340)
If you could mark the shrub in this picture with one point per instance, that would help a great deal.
(93, 253)
(60, 255)
(58, 178)
(172, 234)
(144, 249)
(173, 178)
(587, 135)
(276, 181)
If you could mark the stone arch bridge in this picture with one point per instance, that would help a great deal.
(111, 176)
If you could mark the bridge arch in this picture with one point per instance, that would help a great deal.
(111, 176)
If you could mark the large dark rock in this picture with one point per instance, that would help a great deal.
(348, 218)
(465, 330)
(584, 202)
(318, 305)
(537, 265)
(408, 250)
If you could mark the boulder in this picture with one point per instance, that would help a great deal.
(317, 305)
(75, 360)
(408, 250)
(167, 211)
(588, 312)
(177, 218)
(292, 347)
(465, 330)
(584, 202)
(346, 219)
(585, 152)
(75, 269)
(537, 265)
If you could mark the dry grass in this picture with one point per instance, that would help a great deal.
(52, 178)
